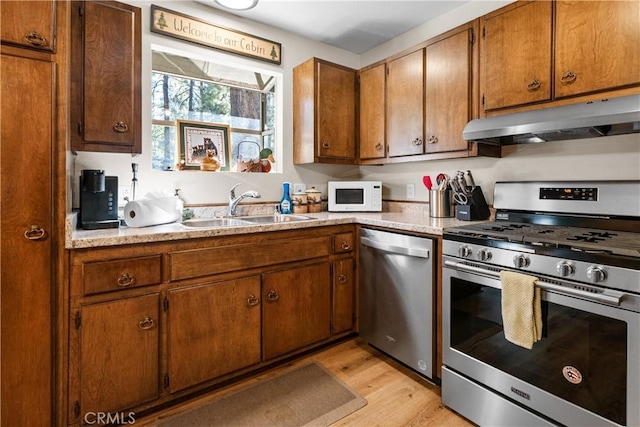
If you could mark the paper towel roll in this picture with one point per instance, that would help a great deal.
(144, 213)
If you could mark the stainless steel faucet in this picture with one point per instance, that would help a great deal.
(233, 201)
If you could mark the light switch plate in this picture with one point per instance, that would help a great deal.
(299, 188)
(411, 191)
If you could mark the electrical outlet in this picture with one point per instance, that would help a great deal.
(411, 191)
(123, 191)
(299, 188)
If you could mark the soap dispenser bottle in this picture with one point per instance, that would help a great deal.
(285, 202)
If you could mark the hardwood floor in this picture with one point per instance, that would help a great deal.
(396, 396)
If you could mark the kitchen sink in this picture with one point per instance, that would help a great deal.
(214, 222)
(276, 218)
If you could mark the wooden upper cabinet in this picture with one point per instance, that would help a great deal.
(405, 101)
(324, 99)
(516, 55)
(29, 24)
(448, 92)
(597, 46)
(106, 77)
(372, 122)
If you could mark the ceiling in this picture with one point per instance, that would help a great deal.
(354, 25)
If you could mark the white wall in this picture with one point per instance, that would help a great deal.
(601, 158)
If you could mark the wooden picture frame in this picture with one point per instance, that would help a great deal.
(194, 138)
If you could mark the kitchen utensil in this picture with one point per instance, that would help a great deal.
(462, 183)
(426, 180)
(460, 198)
(134, 180)
(470, 181)
(443, 181)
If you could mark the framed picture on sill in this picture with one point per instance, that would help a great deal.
(196, 138)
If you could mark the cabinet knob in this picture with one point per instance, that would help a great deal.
(432, 139)
(272, 295)
(568, 78)
(253, 301)
(345, 246)
(417, 142)
(121, 127)
(379, 146)
(325, 145)
(126, 280)
(342, 279)
(534, 85)
(146, 323)
(35, 233)
(35, 39)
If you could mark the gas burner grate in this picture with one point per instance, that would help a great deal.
(589, 239)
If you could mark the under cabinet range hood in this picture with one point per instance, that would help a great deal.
(615, 116)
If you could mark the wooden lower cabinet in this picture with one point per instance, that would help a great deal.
(296, 308)
(119, 354)
(343, 295)
(183, 324)
(213, 329)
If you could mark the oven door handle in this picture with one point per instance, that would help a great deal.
(607, 296)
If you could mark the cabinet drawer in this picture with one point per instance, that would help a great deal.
(114, 275)
(221, 259)
(343, 242)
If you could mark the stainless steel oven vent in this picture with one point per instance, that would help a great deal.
(607, 117)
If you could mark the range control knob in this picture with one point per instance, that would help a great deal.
(464, 251)
(596, 274)
(565, 269)
(521, 261)
(484, 255)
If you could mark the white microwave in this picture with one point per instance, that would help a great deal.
(355, 196)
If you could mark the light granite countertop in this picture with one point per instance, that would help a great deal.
(417, 221)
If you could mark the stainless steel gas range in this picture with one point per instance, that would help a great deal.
(581, 241)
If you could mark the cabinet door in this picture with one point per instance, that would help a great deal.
(119, 342)
(597, 46)
(105, 73)
(342, 296)
(26, 221)
(29, 24)
(296, 308)
(516, 55)
(372, 102)
(335, 111)
(405, 101)
(448, 93)
(213, 329)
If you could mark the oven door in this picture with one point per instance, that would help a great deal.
(584, 371)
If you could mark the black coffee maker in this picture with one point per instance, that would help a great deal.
(98, 200)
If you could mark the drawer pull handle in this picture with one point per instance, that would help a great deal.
(342, 279)
(379, 147)
(534, 85)
(325, 145)
(417, 142)
(35, 233)
(252, 301)
(126, 280)
(432, 139)
(146, 323)
(568, 78)
(345, 246)
(121, 127)
(272, 296)
(35, 39)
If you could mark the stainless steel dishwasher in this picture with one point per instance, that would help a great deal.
(396, 312)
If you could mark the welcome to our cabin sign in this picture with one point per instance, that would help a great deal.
(174, 24)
